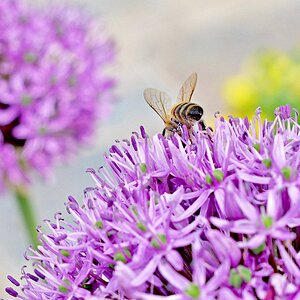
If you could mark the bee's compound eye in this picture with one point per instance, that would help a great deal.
(164, 132)
(196, 113)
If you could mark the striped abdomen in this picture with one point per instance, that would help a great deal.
(187, 113)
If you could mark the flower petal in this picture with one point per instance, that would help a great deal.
(8, 115)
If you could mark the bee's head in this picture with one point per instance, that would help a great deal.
(196, 112)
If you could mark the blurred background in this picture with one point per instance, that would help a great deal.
(158, 44)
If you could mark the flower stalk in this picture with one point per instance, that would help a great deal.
(27, 212)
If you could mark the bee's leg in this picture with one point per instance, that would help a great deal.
(206, 130)
(202, 124)
(167, 132)
(179, 127)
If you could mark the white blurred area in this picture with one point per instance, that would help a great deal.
(159, 43)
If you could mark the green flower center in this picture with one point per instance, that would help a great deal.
(42, 130)
(141, 226)
(193, 291)
(72, 81)
(239, 275)
(30, 57)
(245, 273)
(143, 167)
(235, 279)
(267, 162)
(208, 179)
(267, 221)
(218, 174)
(259, 249)
(120, 256)
(159, 239)
(26, 100)
(99, 224)
(62, 288)
(286, 172)
(257, 147)
(65, 253)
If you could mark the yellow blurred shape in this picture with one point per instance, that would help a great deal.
(269, 79)
(240, 93)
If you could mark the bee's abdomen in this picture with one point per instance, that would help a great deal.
(179, 111)
(186, 110)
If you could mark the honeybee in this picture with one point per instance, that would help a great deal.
(183, 112)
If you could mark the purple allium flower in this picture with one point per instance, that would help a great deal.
(53, 87)
(211, 215)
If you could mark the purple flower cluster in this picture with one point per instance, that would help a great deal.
(205, 215)
(53, 87)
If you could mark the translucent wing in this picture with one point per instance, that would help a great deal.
(187, 89)
(159, 101)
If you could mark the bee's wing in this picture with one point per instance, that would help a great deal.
(159, 101)
(187, 89)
